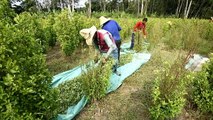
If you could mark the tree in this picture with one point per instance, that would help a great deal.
(187, 8)
(142, 7)
(89, 11)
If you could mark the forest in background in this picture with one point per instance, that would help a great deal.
(154, 8)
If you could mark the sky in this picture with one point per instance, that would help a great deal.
(82, 3)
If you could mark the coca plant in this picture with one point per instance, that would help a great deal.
(203, 88)
(167, 94)
(25, 91)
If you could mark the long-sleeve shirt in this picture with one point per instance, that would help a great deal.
(113, 27)
(140, 26)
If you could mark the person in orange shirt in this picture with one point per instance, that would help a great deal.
(139, 26)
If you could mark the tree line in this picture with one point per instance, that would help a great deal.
(174, 8)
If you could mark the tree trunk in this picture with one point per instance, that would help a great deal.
(68, 6)
(177, 9)
(142, 7)
(104, 3)
(61, 4)
(89, 8)
(138, 8)
(73, 6)
(145, 7)
(186, 7)
(187, 13)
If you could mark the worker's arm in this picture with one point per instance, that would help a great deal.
(110, 44)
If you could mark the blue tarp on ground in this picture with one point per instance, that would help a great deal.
(115, 81)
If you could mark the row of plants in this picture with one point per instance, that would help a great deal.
(63, 28)
(93, 83)
(174, 86)
(184, 34)
(25, 91)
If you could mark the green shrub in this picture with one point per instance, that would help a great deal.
(70, 93)
(32, 24)
(47, 28)
(6, 13)
(203, 88)
(96, 80)
(24, 78)
(93, 83)
(167, 95)
(66, 32)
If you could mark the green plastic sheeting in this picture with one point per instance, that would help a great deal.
(115, 81)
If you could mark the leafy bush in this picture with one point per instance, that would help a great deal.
(167, 95)
(31, 23)
(24, 78)
(66, 32)
(96, 80)
(6, 13)
(70, 93)
(203, 88)
(189, 35)
(47, 28)
(93, 83)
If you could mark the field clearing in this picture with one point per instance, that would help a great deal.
(127, 101)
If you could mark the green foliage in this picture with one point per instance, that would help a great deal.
(126, 58)
(48, 31)
(33, 25)
(167, 94)
(70, 93)
(96, 80)
(66, 32)
(93, 83)
(138, 42)
(24, 79)
(188, 35)
(203, 88)
(6, 13)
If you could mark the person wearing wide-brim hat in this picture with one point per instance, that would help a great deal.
(113, 27)
(103, 42)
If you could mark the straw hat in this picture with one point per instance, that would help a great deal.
(88, 34)
(103, 20)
